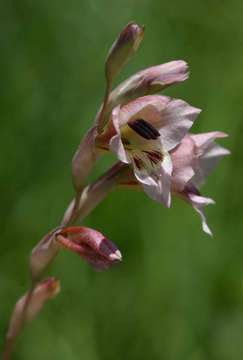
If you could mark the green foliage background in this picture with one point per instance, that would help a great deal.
(178, 294)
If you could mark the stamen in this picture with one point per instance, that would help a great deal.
(144, 129)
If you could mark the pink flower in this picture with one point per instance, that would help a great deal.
(91, 245)
(143, 132)
(193, 160)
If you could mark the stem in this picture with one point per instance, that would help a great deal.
(8, 346)
(93, 194)
(83, 203)
(74, 208)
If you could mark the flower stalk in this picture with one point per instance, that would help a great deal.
(149, 135)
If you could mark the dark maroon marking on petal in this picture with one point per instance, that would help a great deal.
(144, 129)
(138, 163)
(154, 156)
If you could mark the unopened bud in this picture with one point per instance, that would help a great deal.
(149, 81)
(91, 245)
(43, 253)
(84, 159)
(30, 304)
(122, 49)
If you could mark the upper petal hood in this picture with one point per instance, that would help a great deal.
(176, 120)
(172, 117)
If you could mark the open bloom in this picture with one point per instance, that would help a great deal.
(91, 245)
(143, 132)
(193, 160)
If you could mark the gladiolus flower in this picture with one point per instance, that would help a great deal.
(143, 132)
(193, 160)
(91, 245)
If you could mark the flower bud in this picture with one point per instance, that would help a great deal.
(30, 304)
(122, 49)
(43, 253)
(149, 81)
(91, 245)
(84, 159)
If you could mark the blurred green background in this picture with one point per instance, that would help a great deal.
(178, 294)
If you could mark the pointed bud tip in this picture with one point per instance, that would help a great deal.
(116, 255)
(131, 32)
(122, 49)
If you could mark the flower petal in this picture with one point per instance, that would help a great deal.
(157, 184)
(147, 108)
(172, 117)
(115, 143)
(175, 121)
(184, 160)
(203, 140)
(167, 74)
(209, 153)
(117, 147)
(198, 202)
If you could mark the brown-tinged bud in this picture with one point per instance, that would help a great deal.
(91, 245)
(43, 253)
(84, 159)
(122, 49)
(28, 306)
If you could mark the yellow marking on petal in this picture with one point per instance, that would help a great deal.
(146, 155)
(132, 140)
